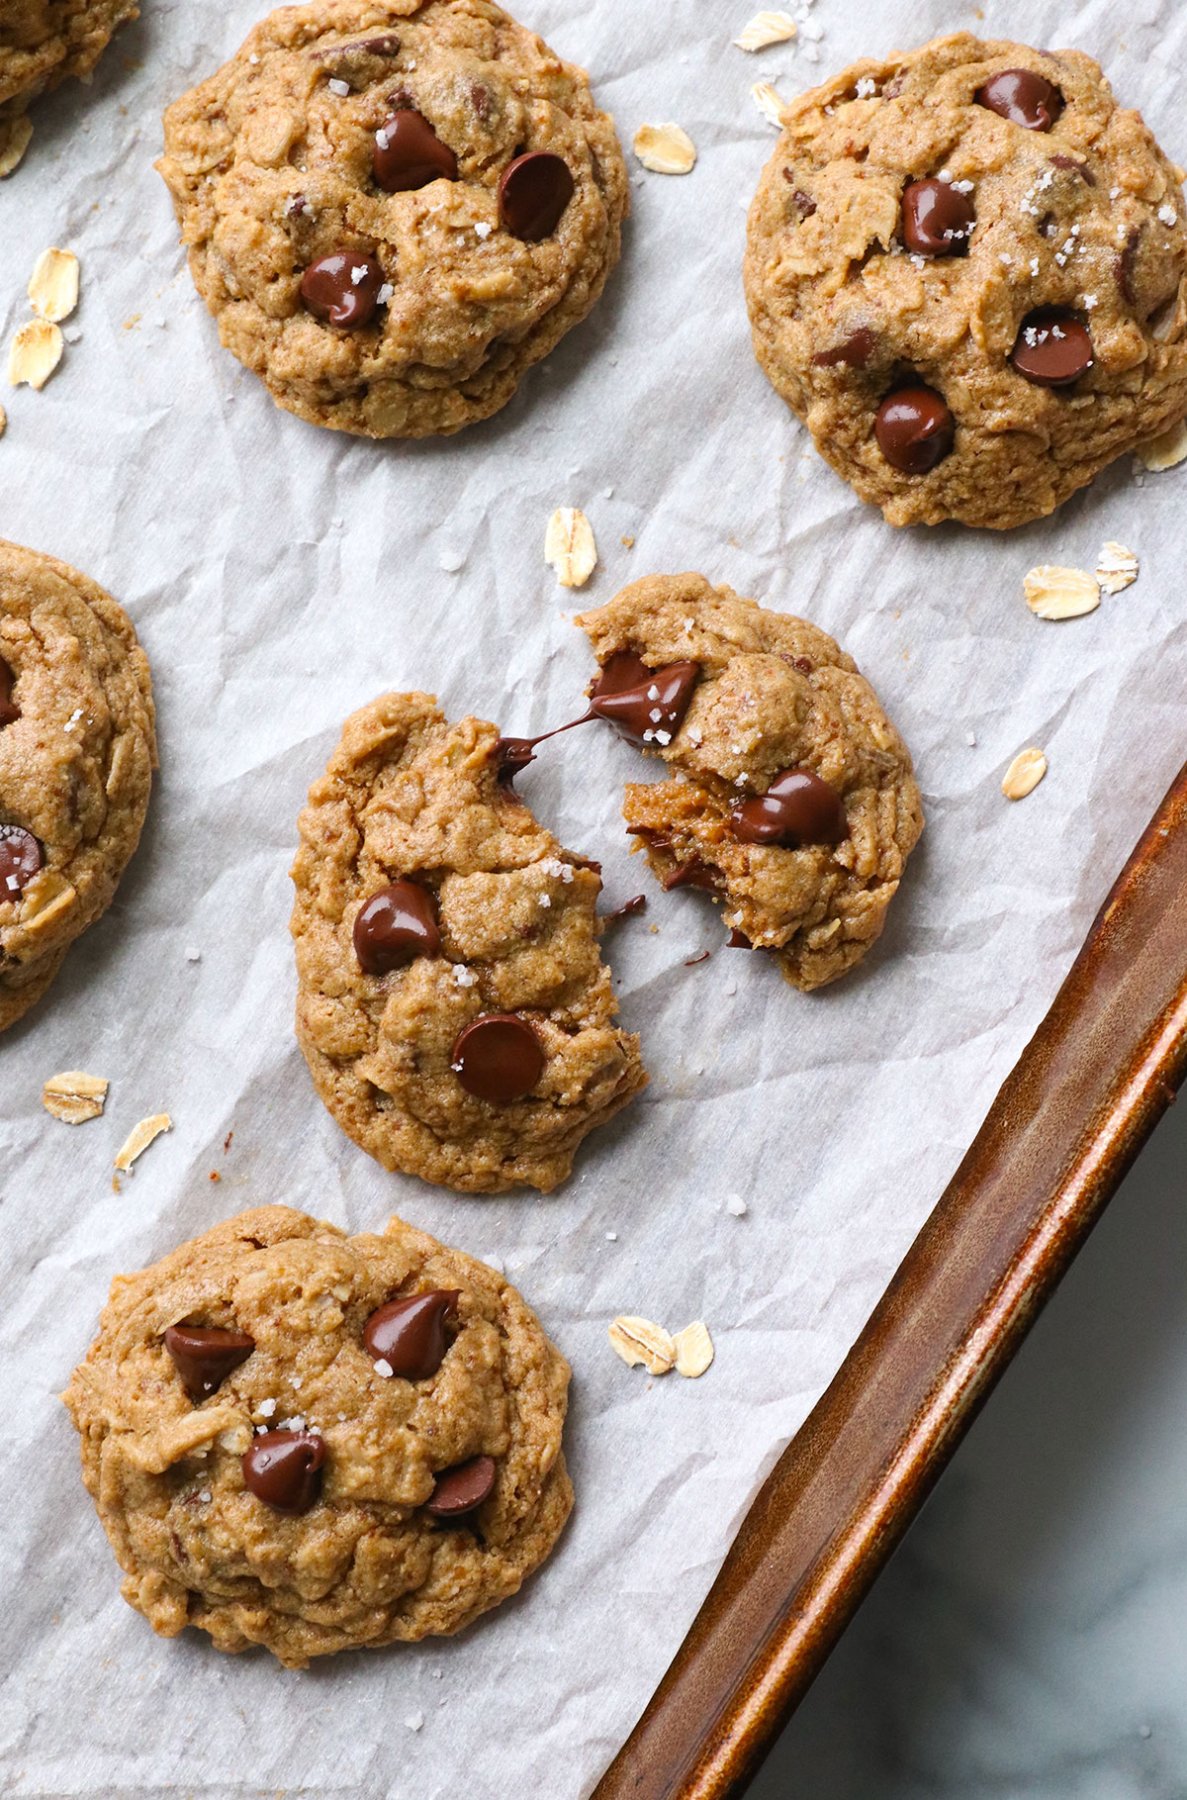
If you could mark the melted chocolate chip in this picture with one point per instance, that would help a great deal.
(498, 1057)
(342, 288)
(915, 429)
(9, 710)
(797, 809)
(693, 873)
(204, 1356)
(533, 193)
(408, 154)
(1023, 97)
(937, 219)
(737, 940)
(459, 1490)
(409, 1335)
(854, 353)
(21, 856)
(636, 904)
(1069, 162)
(690, 962)
(283, 1469)
(395, 926)
(646, 705)
(1053, 348)
(1127, 264)
(514, 755)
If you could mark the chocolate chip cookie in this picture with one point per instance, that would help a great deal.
(452, 1005)
(77, 754)
(44, 42)
(793, 801)
(317, 1442)
(965, 273)
(395, 207)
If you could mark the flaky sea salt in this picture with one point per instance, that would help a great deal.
(736, 1206)
(267, 1408)
(383, 1367)
(483, 229)
(1168, 215)
(341, 88)
(464, 977)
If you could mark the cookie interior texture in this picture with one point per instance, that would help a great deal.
(270, 166)
(366, 1564)
(44, 42)
(1087, 216)
(775, 693)
(76, 763)
(409, 796)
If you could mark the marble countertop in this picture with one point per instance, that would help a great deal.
(1029, 1640)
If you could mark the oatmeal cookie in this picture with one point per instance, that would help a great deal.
(318, 1442)
(792, 799)
(44, 42)
(965, 272)
(452, 1005)
(77, 754)
(395, 207)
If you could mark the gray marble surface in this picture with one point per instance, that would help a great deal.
(1029, 1640)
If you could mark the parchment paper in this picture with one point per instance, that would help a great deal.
(281, 576)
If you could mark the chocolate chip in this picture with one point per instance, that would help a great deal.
(387, 45)
(690, 962)
(646, 705)
(636, 904)
(1069, 162)
(498, 1057)
(693, 873)
(803, 203)
(1023, 97)
(1127, 264)
(283, 1469)
(409, 1335)
(737, 940)
(797, 809)
(408, 154)
(1053, 348)
(204, 1356)
(937, 219)
(460, 1489)
(342, 288)
(9, 710)
(803, 664)
(21, 856)
(480, 100)
(395, 926)
(854, 353)
(534, 191)
(915, 429)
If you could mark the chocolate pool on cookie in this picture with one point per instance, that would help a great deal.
(317, 1442)
(965, 272)
(395, 209)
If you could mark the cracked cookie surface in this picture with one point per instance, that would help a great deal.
(487, 919)
(930, 222)
(384, 131)
(775, 697)
(364, 1562)
(77, 754)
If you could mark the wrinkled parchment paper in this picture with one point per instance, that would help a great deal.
(281, 576)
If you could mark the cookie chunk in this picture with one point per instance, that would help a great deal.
(395, 207)
(965, 273)
(77, 754)
(43, 42)
(452, 1005)
(317, 1442)
(792, 798)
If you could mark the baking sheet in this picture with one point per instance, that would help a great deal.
(280, 577)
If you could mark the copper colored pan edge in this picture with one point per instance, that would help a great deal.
(1060, 1136)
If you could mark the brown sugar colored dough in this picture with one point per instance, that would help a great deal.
(775, 697)
(44, 42)
(77, 754)
(395, 207)
(316, 1498)
(1053, 224)
(452, 1005)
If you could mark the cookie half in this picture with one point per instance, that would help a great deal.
(77, 754)
(452, 1005)
(318, 1442)
(965, 272)
(792, 799)
(395, 207)
(44, 42)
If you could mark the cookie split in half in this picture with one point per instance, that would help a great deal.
(965, 272)
(395, 207)
(77, 754)
(318, 1442)
(791, 799)
(452, 1004)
